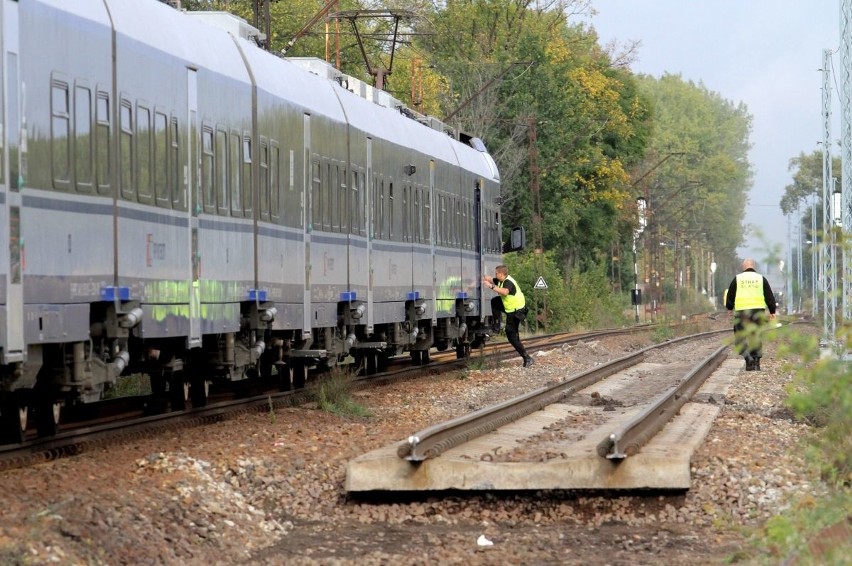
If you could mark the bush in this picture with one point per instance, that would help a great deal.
(333, 393)
(822, 394)
(814, 529)
(586, 303)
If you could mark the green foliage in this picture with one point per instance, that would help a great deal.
(271, 409)
(821, 393)
(810, 532)
(807, 181)
(586, 302)
(702, 190)
(129, 386)
(662, 333)
(333, 394)
(814, 529)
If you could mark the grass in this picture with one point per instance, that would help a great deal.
(815, 528)
(134, 385)
(333, 394)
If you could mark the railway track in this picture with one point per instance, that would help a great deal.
(577, 433)
(126, 419)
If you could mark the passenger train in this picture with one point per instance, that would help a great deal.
(179, 203)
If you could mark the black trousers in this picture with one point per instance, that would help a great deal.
(513, 322)
(747, 339)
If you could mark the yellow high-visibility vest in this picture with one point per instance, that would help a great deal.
(511, 303)
(749, 291)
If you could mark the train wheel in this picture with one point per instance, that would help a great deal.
(199, 391)
(13, 419)
(157, 402)
(372, 363)
(264, 367)
(285, 376)
(47, 416)
(178, 391)
(300, 374)
(463, 350)
(360, 362)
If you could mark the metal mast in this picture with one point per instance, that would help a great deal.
(846, 146)
(829, 300)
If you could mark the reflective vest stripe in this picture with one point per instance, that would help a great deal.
(749, 291)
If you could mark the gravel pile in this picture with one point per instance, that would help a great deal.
(268, 487)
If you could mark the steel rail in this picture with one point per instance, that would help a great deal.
(630, 437)
(434, 440)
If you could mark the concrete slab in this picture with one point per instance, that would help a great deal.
(564, 457)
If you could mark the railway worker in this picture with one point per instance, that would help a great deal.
(749, 296)
(509, 300)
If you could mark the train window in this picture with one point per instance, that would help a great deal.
(126, 158)
(415, 217)
(343, 203)
(193, 188)
(263, 189)
(15, 259)
(334, 196)
(143, 148)
(221, 164)
(389, 216)
(464, 233)
(208, 197)
(246, 174)
(380, 210)
(234, 169)
(83, 138)
(427, 216)
(327, 195)
(294, 201)
(60, 126)
(160, 162)
(2, 124)
(13, 117)
(457, 224)
(362, 207)
(178, 195)
(406, 213)
(314, 204)
(275, 179)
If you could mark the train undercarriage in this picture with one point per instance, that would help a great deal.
(58, 377)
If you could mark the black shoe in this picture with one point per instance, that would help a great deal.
(749, 365)
(757, 364)
(528, 361)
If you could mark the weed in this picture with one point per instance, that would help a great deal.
(134, 385)
(662, 333)
(333, 394)
(271, 409)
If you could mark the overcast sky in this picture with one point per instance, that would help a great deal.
(764, 53)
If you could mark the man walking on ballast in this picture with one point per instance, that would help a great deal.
(749, 295)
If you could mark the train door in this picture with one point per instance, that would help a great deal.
(11, 181)
(478, 242)
(307, 215)
(368, 203)
(192, 176)
(433, 238)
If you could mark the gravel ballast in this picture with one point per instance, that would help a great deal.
(267, 488)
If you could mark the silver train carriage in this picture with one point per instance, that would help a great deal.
(182, 204)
